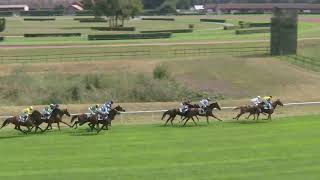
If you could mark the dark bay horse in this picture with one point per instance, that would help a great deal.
(196, 111)
(249, 109)
(209, 111)
(15, 120)
(56, 117)
(112, 114)
(269, 112)
(173, 113)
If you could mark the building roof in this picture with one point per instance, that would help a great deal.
(39, 4)
(20, 6)
(263, 6)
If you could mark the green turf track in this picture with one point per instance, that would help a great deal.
(285, 148)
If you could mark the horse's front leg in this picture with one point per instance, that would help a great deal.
(194, 121)
(207, 119)
(186, 121)
(65, 124)
(216, 117)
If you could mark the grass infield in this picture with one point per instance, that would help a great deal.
(285, 148)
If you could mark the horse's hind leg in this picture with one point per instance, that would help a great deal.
(186, 121)
(194, 121)
(58, 124)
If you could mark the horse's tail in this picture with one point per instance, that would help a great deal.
(74, 117)
(164, 114)
(6, 122)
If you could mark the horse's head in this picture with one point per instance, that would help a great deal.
(119, 109)
(278, 102)
(66, 112)
(215, 105)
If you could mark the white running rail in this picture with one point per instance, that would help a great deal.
(160, 111)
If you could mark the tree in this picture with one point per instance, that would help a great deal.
(2, 24)
(114, 10)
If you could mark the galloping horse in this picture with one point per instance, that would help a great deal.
(249, 109)
(36, 118)
(173, 113)
(196, 112)
(15, 120)
(112, 114)
(56, 117)
(209, 111)
(82, 119)
(269, 112)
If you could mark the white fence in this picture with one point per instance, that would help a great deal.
(161, 111)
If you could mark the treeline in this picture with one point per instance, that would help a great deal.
(186, 4)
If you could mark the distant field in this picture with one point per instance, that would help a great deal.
(285, 148)
(203, 31)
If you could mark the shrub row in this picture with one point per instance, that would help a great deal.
(52, 35)
(1, 38)
(85, 13)
(6, 13)
(158, 19)
(252, 31)
(249, 24)
(2, 24)
(114, 28)
(231, 27)
(39, 19)
(92, 20)
(170, 31)
(129, 36)
(41, 13)
(213, 20)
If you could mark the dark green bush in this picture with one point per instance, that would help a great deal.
(170, 31)
(52, 35)
(129, 36)
(92, 20)
(6, 13)
(158, 19)
(39, 19)
(231, 27)
(42, 13)
(85, 13)
(114, 28)
(252, 31)
(2, 24)
(1, 38)
(213, 20)
(161, 72)
(191, 26)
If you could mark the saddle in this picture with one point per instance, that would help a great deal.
(202, 111)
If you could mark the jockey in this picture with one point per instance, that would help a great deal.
(184, 106)
(93, 109)
(267, 102)
(204, 103)
(48, 110)
(105, 109)
(255, 101)
(26, 113)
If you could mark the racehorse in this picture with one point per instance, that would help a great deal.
(36, 118)
(173, 113)
(249, 109)
(112, 114)
(56, 117)
(16, 121)
(196, 112)
(208, 112)
(269, 112)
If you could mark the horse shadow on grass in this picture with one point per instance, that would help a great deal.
(249, 122)
(83, 132)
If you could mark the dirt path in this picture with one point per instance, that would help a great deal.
(137, 45)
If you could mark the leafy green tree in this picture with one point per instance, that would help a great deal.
(2, 24)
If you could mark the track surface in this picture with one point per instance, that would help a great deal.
(281, 149)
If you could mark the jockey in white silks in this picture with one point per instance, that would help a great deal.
(255, 101)
(204, 103)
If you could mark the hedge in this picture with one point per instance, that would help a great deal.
(170, 31)
(85, 13)
(252, 31)
(2, 24)
(249, 24)
(52, 35)
(114, 28)
(231, 27)
(158, 19)
(92, 20)
(129, 36)
(6, 13)
(213, 20)
(1, 38)
(41, 13)
(39, 19)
